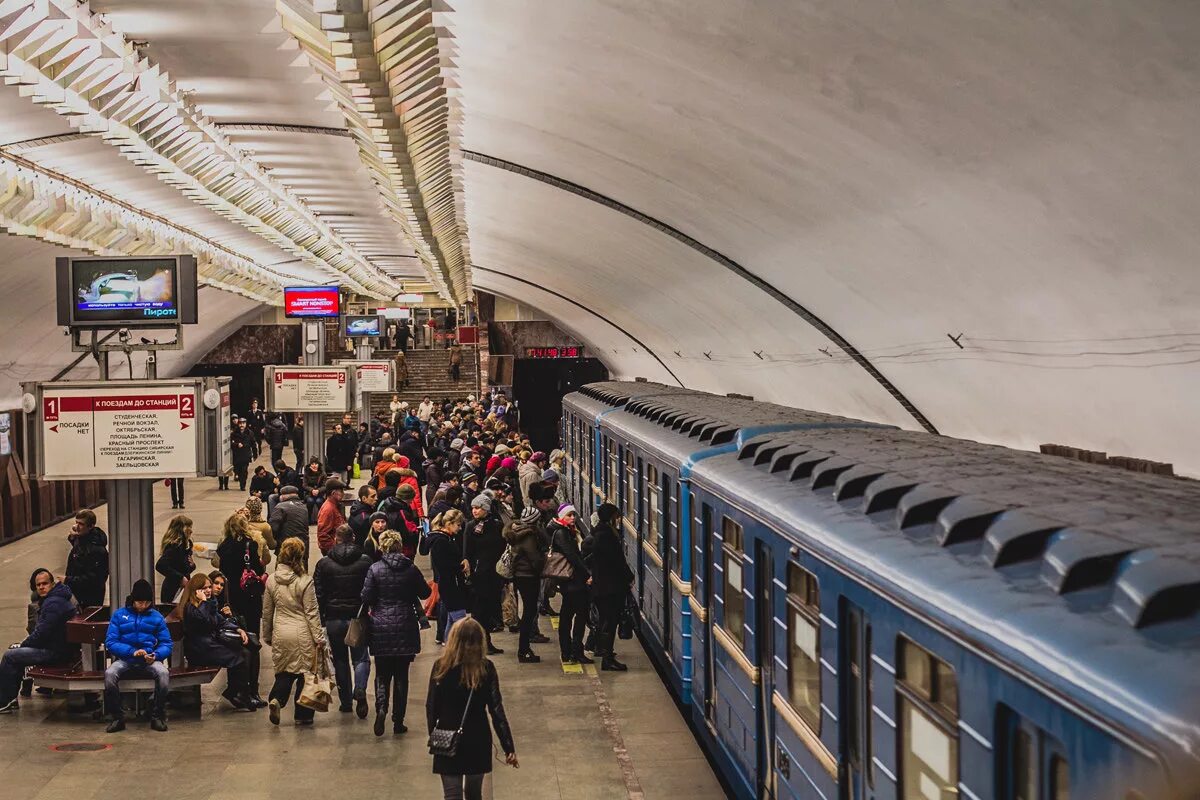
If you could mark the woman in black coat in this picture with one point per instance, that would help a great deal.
(464, 683)
(203, 643)
(611, 581)
(483, 544)
(237, 553)
(392, 590)
(572, 617)
(175, 562)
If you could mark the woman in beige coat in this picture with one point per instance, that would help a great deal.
(260, 529)
(292, 627)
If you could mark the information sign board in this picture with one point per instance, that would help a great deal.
(371, 376)
(311, 389)
(119, 430)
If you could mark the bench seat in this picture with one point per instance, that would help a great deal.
(73, 679)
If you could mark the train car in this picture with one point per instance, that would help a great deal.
(650, 445)
(883, 614)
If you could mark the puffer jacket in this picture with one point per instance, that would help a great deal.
(54, 611)
(339, 578)
(291, 625)
(527, 475)
(392, 590)
(129, 631)
(277, 433)
(530, 546)
(87, 567)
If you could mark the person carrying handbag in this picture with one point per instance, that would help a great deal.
(339, 578)
(292, 628)
(464, 689)
(239, 556)
(566, 566)
(391, 595)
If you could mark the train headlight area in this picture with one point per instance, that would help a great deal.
(851, 610)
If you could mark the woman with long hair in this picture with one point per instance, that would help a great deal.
(463, 683)
(175, 562)
(292, 627)
(218, 594)
(238, 555)
(611, 581)
(210, 639)
(393, 588)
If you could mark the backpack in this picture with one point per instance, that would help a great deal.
(394, 509)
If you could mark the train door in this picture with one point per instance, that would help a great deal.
(706, 567)
(855, 702)
(764, 644)
(670, 541)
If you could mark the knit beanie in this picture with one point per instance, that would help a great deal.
(406, 492)
(530, 514)
(550, 475)
(254, 506)
(566, 508)
(377, 515)
(142, 590)
(482, 501)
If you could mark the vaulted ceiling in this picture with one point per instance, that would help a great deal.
(974, 218)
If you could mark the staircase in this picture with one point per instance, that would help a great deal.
(428, 374)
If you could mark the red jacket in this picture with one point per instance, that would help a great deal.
(328, 519)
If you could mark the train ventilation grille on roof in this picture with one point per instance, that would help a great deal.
(1155, 588)
(853, 482)
(1017, 536)
(1080, 559)
(966, 519)
(764, 454)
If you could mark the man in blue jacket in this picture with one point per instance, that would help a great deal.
(46, 644)
(140, 643)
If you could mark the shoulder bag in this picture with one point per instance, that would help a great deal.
(558, 568)
(318, 689)
(358, 632)
(504, 567)
(443, 741)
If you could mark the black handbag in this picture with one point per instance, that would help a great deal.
(443, 741)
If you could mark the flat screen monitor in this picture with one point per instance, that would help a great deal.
(152, 292)
(363, 325)
(311, 301)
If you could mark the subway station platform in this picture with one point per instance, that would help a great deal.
(579, 736)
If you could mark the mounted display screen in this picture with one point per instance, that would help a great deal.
(552, 352)
(126, 292)
(364, 325)
(311, 301)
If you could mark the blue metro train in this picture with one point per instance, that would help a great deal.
(849, 611)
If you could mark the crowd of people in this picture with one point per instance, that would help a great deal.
(453, 481)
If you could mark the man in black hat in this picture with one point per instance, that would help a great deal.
(139, 639)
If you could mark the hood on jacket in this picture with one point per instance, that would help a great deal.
(396, 561)
(516, 531)
(403, 462)
(60, 591)
(345, 553)
(284, 575)
(406, 473)
(94, 535)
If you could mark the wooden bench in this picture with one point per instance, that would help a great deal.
(86, 676)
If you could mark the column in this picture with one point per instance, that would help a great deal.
(130, 537)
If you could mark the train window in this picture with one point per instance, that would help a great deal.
(734, 600)
(651, 513)
(627, 498)
(804, 645)
(1024, 771)
(1060, 779)
(928, 701)
(613, 471)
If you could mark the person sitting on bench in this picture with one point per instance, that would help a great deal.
(140, 641)
(46, 644)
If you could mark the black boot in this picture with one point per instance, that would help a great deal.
(581, 658)
(611, 664)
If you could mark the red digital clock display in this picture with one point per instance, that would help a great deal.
(552, 352)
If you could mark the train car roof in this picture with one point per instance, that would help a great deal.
(1085, 577)
(675, 425)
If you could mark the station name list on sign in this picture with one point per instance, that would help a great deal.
(310, 389)
(117, 433)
